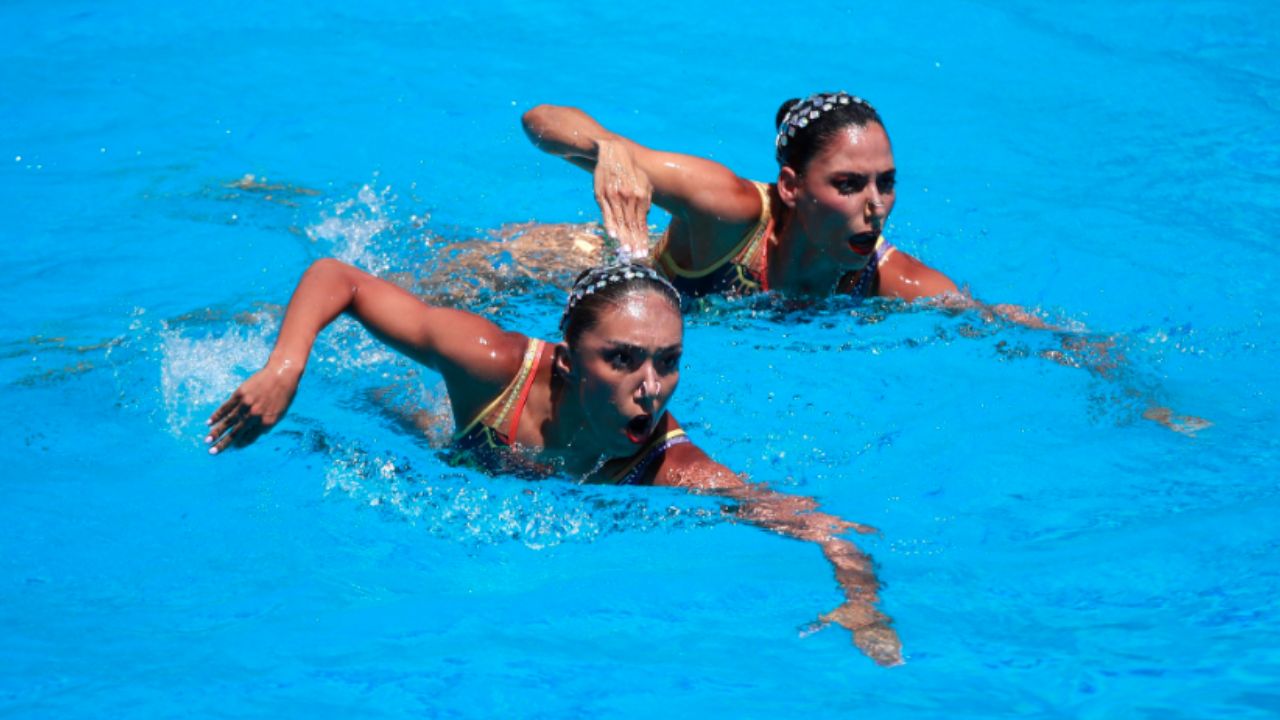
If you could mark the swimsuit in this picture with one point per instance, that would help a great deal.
(484, 444)
(744, 270)
(634, 471)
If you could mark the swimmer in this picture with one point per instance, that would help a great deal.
(593, 406)
(816, 230)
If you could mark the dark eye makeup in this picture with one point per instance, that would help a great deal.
(627, 358)
(854, 183)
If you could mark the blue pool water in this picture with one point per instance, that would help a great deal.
(1045, 550)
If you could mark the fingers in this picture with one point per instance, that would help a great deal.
(223, 411)
(623, 193)
(880, 643)
(237, 432)
(636, 232)
(230, 419)
(233, 425)
(606, 191)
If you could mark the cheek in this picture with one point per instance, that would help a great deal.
(607, 388)
(830, 203)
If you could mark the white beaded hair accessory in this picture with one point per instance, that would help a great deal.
(624, 255)
(598, 278)
(808, 110)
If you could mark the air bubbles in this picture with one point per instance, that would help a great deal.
(473, 509)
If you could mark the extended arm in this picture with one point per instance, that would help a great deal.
(706, 195)
(905, 277)
(471, 353)
(798, 517)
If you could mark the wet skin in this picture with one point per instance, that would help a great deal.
(844, 196)
(625, 369)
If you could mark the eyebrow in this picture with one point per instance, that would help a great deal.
(617, 345)
(852, 173)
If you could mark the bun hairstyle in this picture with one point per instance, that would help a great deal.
(606, 285)
(804, 126)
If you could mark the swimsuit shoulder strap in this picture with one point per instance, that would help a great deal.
(884, 250)
(867, 277)
(510, 402)
(657, 446)
(744, 249)
(754, 254)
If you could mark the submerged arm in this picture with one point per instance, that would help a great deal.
(798, 517)
(904, 277)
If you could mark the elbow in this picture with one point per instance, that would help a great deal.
(536, 120)
(331, 272)
(328, 267)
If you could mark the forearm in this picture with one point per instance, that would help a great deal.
(565, 131)
(797, 517)
(960, 302)
(325, 291)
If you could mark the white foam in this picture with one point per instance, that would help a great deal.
(352, 226)
(197, 374)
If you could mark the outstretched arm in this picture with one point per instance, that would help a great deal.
(474, 355)
(902, 276)
(706, 195)
(798, 517)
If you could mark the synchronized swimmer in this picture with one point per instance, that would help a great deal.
(593, 406)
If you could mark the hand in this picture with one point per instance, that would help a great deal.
(624, 193)
(871, 628)
(254, 408)
(872, 633)
(1188, 425)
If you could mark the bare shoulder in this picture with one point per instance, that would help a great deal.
(476, 371)
(715, 223)
(903, 276)
(688, 466)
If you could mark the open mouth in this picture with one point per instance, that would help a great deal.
(638, 428)
(863, 243)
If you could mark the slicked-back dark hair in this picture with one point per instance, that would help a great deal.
(801, 136)
(600, 287)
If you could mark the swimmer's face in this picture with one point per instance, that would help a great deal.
(843, 197)
(625, 368)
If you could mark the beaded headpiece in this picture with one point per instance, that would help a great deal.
(808, 110)
(598, 278)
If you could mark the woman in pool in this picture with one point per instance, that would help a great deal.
(593, 406)
(816, 230)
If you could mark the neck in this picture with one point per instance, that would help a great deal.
(565, 436)
(798, 266)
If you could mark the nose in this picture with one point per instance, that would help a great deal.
(874, 209)
(650, 386)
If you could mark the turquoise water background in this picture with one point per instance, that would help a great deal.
(1045, 550)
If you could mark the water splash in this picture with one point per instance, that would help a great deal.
(197, 372)
(467, 507)
(351, 228)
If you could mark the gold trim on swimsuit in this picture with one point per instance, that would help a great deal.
(636, 459)
(746, 248)
(507, 398)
